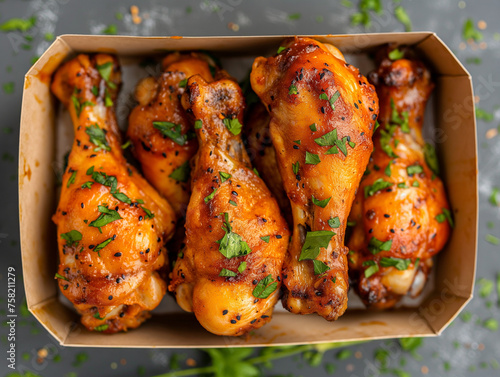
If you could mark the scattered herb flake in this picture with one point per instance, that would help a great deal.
(265, 287)
(233, 125)
(398, 263)
(172, 131)
(210, 196)
(72, 237)
(378, 185)
(469, 31)
(232, 245)
(224, 176)
(227, 273)
(181, 174)
(396, 54)
(97, 137)
(334, 222)
(320, 203)
(376, 246)
(312, 158)
(265, 239)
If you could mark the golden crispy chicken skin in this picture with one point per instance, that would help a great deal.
(111, 224)
(162, 136)
(323, 113)
(401, 209)
(229, 271)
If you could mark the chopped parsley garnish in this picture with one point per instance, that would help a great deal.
(95, 90)
(102, 245)
(292, 90)
(59, 276)
(265, 287)
(105, 72)
(313, 128)
(334, 222)
(183, 83)
(320, 203)
(18, 24)
(378, 185)
(79, 106)
(281, 49)
(297, 142)
(224, 176)
(172, 131)
(108, 102)
(295, 168)
(232, 245)
(399, 119)
(332, 99)
(431, 158)
(72, 237)
(265, 239)
(376, 246)
(107, 216)
(415, 184)
(126, 145)
(331, 139)
(314, 242)
(242, 267)
(210, 196)
(101, 327)
(121, 197)
(396, 54)
(198, 124)
(387, 170)
(97, 137)
(312, 158)
(484, 115)
(445, 215)
(414, 169)
(72, 178)
(400, 264)
(320, 267)
(469, 31)
(98, 316)
(181, 174)
(372, 269)
(495, 196)
(87, 184)
(402, 185)
(227, 273)
(149, 214)
(233, 203)
(385, 143)
(233, 125)
(402, 16)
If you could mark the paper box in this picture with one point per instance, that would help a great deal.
(451, 110)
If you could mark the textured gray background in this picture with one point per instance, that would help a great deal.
(468, 347)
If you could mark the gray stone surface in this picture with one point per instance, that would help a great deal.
(464, 345)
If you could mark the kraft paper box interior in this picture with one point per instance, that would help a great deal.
(46, 135)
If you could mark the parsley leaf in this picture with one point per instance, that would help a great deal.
(334, 222)
(97, 137)
(18, 24)
(224, 176)
(72, 178)
(181, 174)
(446, 215)
(281, 49)
(295, 168)
(102, 245)
(314, 242)
(265, 239)
(376, 246)
(227, 273)
(469, 31)
(370, 270)
(265, 287)
(198, 124)
(400, 264)
(312, 158)
(183, 83)
(396, 54)
(107, 216)
(431, 158)
(172, 131)
(402, 16)
(320, 203)
(103, 327)
(149, 214)
(242, 267)
(72, 237)
(233, 125)
(332, 99)
(387, 170)
(59, 276)
(319, 267)
(414, 169)
(292, 90)
(232, 245)
(378, 185)
(210, 196)
(87, 184)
